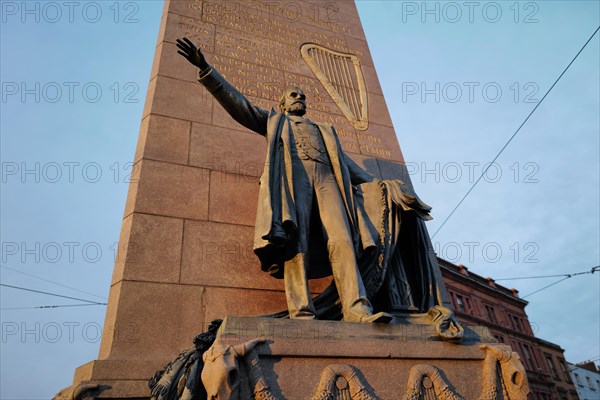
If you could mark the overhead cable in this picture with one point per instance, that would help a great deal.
(49, 281)
(513, 136)
(50, 294)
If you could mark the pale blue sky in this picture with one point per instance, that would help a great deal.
(542, 213)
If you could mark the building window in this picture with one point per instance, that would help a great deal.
(460, 304)
(522, 354)
(578, 379)
(551, 367)
(589, 382)
(526, 350)
(527, 328)
(469, 306)
(499, 338)
(491, 313)
(565, 371)
(598, 383)
(516, 323)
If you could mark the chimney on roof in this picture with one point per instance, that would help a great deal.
(515, 292)
(463, 270)
(491, 282)
(589, 365)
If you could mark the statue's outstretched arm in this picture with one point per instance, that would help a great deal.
(234, 102)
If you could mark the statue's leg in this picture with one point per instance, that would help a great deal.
(299, 301)
(342, 257)
(300, 305)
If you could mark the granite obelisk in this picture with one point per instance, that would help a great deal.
(189, 219)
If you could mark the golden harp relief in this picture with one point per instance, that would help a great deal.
(342, 76)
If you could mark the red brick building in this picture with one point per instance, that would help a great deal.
(480, 301)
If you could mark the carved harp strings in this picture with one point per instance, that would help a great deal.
(337, 70)
(342, 77)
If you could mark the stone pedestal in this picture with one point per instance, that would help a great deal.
(384, 361)
(299, 359)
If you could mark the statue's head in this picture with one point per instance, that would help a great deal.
(293, 101)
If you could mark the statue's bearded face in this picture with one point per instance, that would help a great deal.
(294, 101)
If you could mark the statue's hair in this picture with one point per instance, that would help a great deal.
(282, 102)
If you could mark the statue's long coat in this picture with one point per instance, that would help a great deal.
(392, 245)
(276, 224)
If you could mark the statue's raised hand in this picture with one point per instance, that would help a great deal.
(192, 53)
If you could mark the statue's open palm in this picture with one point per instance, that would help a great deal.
(192, 53)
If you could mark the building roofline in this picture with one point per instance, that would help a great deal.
(549, 344)
(486, 283)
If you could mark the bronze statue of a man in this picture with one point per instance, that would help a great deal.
(307, 224)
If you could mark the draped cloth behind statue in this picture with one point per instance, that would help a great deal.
(396, 259)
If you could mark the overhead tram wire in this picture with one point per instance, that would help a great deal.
(53, 282)
(546, 287)
(514, 134)
(52, 294)
(53, 306)
(564, 277)
(593, 270)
